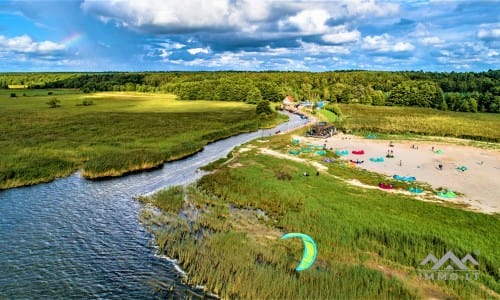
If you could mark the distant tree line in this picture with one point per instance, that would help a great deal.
(467, 92)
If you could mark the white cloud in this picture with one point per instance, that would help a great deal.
(311, 21)
(340, 35)
(24, 44)
(163, 13)
(194, 51)
(385, 43)
(431, 40)
(489, 33)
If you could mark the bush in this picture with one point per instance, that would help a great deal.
(334, 108)
(49, 93)
(53, 103)
(263, 107)
(12, 95)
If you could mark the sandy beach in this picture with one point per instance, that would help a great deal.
(479, 184)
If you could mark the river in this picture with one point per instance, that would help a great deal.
(75, 238)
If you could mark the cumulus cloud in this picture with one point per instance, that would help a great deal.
(385, 43)
(492, 33)
(310, 21)
(25, 44)
(194, 51)
(341, 35)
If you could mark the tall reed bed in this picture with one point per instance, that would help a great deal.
(358, 232)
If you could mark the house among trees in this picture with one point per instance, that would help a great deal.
(288, 103)
(321, 129)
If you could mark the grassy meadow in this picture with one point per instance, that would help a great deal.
(107, 134)
(420, 121)
(370, 243)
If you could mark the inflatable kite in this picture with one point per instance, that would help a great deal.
(415, 190)
(295, 141)
(448, 194)
(385, 186)
(306, 150)
(358, 152)
(310, 250)
(404, 178)
(321, 152)
(377, 159)
(462, 168)
(371, 136)
(439, 151)
(294, 152)
(341, 152)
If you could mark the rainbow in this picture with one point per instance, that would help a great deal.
(72, 39)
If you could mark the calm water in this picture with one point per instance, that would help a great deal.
(74, 238)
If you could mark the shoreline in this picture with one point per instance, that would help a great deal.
(133, 169)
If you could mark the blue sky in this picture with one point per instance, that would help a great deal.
(164, 35)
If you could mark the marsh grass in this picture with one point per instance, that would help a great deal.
(410, 120)
(121, 133)
(358, 232)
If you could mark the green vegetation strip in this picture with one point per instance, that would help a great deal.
(226, 235)
(423, 121)
(116, 134)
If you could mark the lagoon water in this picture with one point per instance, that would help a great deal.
(74, 238)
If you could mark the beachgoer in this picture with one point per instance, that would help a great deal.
(305, 174)
(317, 173)
(400, 163)
(440, 167)
(432, 148)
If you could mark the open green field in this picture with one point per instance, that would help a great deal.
(422, 121)
(370, 243)
(117, 134)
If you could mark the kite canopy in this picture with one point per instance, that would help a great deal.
(358, 152)
(377, 159)
(462, 168)
(404, 178)
(341, 152)
(306, 150)
(294, 151)
(385, 186)
(295, 141)
(371, 136)
(321, 152)
(439, 151)
(310, 250)
(448, 194)
(415, 190)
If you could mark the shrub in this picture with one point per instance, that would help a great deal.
(263, 107)
(53, 103)
(12, 95)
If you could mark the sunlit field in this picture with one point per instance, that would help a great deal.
(107, 134)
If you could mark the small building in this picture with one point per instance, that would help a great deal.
(288, 103)
(321, 129)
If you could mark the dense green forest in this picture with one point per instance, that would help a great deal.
(466, 92)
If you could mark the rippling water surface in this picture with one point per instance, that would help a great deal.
(74, 238)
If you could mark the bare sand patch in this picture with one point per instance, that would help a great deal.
(479, 185)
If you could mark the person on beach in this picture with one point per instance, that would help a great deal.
(432, 148)
(317, 173)
(440, 166)
(400, 163)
